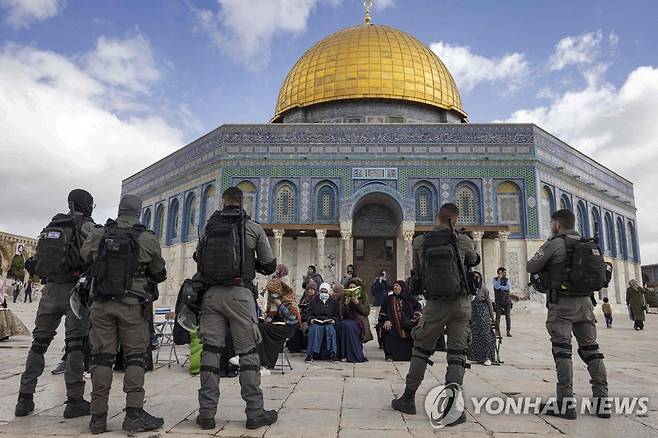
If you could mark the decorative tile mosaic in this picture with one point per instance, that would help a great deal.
(488, 196)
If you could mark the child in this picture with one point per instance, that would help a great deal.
(607, 312)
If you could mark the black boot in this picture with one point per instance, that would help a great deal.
(77, 407)
(265, 419)
(98, 423)
(25, 404)
(407, 403)
(138, 420)
(205, 423)
(601, 409)
(555, 410)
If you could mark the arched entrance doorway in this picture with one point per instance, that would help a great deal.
(375, 227)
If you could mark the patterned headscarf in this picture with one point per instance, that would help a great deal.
(281, 271)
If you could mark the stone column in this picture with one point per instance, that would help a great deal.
(502, 242)
(479, 248)
(320, 233)
(278, 244)
(346, 252)
(408, 228)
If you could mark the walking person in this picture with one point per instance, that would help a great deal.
(28, 291)
(502, 287)
(126, 265)
(482, 348)
(637, 304)
(437, 265)
(569, 281)
(58, 261)
(17, 285)
(230, 251)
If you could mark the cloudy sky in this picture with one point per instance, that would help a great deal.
(92, 92)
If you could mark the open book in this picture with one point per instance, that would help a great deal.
(322, 321)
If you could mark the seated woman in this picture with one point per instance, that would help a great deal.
(482, 348)
(10, 324)
(354, 329)
(397, 316)
(299, 340)
(322, 315)
(282, 317)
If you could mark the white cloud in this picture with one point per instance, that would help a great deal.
(469, 69)
(245, 29)
(581, 50)
(123, 62)
(22, 13)
(617, 127)
(57, 134)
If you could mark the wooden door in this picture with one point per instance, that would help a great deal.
(371, 255)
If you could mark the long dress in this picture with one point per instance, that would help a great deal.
(636, 303)
(353, 330)
(483, 339)
(399, 310)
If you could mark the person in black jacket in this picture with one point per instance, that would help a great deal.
(322, 313)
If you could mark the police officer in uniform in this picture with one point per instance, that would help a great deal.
(453, 314)
(126, 260)
(232, 303)
(568, 313)
(54, 303)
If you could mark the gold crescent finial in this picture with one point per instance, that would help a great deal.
(368, 6)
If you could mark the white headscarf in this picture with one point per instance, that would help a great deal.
(326, 287)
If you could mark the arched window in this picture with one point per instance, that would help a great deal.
(583, 226)
(621, 239)
(596, 227)
(207, 205)
(631, 242)
(326, 203)
(467, 201)
(173, 221)
(248, 197)
(565, 203)
(189, 218)
(284, 207)
(509, 203)
(424, 204)
(610, 236)
(146, 218)
(547, 209)
(159, 221)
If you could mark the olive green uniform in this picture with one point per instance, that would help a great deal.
(121, 321)
(54, 304)
(235, 306)
(567, 315)
(451, 315)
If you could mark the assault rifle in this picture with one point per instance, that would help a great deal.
(466, 280)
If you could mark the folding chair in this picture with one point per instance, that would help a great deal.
(164, 331)
(283, 359)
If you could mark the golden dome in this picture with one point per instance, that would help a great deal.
(369, 61)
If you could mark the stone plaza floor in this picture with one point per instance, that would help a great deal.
(343, 400)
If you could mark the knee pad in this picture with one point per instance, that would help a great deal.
(40, 345)
(211, 349)
(594, 348)
(135, 359)
(102, 360)
(458, 362)
(558, 350)
(423, 354)
(74, 344)
(250, 361)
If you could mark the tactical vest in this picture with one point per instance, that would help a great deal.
(117, 262)
(220, 257)
(583, 270)
(58, 249)
(441, 277)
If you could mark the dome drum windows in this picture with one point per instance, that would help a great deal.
(285, 200)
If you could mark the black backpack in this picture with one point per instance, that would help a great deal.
(220, 255)
(586, 271)
(58, 248)
(118, 260)
(441, 272)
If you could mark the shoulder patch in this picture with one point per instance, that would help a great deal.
(539, 254)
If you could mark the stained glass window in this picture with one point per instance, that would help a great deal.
(326, 203)
(424, 204)
(465, 201)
